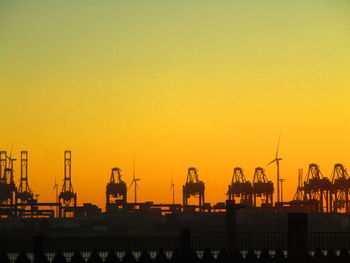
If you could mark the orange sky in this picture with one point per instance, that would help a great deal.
(176, 84)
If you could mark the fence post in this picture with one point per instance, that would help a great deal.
(185, 239)
(230, 226)
(185, 236)
(38, 248)
(297, 236)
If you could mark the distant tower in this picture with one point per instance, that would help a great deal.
(116, 190)
(240, 189)
(24, 194)
(67, 197)
(193, 187)
(262, 188)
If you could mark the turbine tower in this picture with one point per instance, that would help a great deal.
(134, 182)
(172, 187)
(277, 160)
(55, 188)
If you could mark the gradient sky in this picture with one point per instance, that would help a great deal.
(209, 84)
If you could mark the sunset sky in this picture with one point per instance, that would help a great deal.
(175, 83)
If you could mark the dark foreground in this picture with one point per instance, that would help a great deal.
(161, 256)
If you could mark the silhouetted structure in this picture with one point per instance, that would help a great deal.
(172, 188)
(340, 189)
(24, 194)
(7, 184)
(317, 188)
(262, 188)
(299, 201)
(193, 187)
(67, 197)
(240, 189)
(134, 182)
(299, 195)
(316, 194)
(278, 181)
(116, 191)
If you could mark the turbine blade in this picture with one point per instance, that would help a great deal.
(278, 145)
(274, 160)
(132, 182)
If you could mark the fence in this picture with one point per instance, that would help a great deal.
(297, 244)
(198, 241)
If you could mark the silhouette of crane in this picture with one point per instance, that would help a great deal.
(262, 188)
(299, 195)
(340, 193)
(240, 188)
(10, 169)
(116, 191)
(7, 185)
(67, 196)
(277, 161)
(24, 193)
(193, 187)
(317, 188)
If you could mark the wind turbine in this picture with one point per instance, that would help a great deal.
(172, 187)
(55, 187)
(277, 160)
(134, 182)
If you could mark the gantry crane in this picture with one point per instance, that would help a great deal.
(193, 187)
(240, 189)
(262, 188)
(340, 189)
(317, 188)
(7, 184)
(299, 195)
(300, 201)
(116, 190)
(67, 197)
(24, 193)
